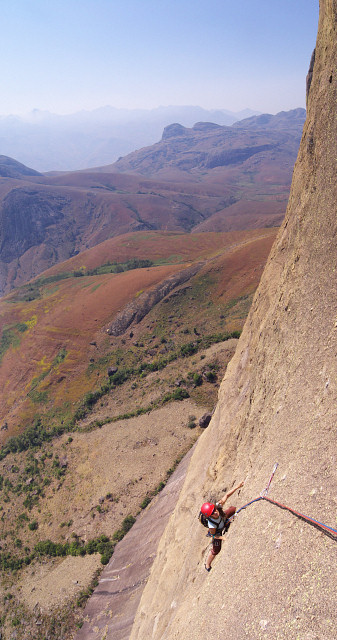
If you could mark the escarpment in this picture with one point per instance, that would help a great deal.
(276, 574)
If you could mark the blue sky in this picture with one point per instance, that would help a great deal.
(68, 55)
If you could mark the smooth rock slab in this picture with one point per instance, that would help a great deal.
(110, 611)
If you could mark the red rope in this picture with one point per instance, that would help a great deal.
(263, 496)
(297, 513)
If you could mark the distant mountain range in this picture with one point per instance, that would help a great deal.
(204, 178)
(47, 141)
(207, 146)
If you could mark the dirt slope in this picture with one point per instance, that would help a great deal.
(114, 602)
(276, 575)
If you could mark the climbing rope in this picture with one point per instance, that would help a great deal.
(300, 515)
(263, 496)
(265, 491)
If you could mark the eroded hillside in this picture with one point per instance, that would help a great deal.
(211, 179)
(276, 574)
(95, 413)
(58, 333)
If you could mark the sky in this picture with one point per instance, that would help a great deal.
(67, 55)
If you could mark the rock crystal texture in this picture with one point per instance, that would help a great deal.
(276, 574)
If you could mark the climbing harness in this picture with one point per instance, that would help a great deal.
(263, 496)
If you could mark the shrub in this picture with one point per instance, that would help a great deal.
(177, 394)
(80, 413)
(30, 501)
(105, 557)
(91, 547)
(91, 398)
(210, 376)
(159, 488)
(23, 518)
(145, 502)
(188, 349)
(197, 379)
(33, 525)
(120, 376)
(127, 523)
(191, 422)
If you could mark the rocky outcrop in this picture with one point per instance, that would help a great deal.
(136, 310)
(25, 218)
(275, 576)
(235, 156)
(309, 74)
(173, 130)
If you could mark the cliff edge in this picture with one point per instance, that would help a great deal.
(275, 576)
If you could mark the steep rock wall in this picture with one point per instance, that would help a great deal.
(276, 574)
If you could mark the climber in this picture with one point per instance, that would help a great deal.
(218, 523)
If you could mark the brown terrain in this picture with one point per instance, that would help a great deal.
(208, 178)
(77, 314)
(276, 574)
(76, 480)
(74, 465)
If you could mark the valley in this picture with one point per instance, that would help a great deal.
(207, 178)
(96, 414)
(168, 327)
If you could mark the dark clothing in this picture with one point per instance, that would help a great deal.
(216, 546)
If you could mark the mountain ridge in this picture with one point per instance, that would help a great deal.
(90, 138)
(211, 179)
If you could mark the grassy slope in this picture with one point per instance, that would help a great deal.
(46, 349)
(57, 349)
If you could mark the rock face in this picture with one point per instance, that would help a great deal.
(275, 576)
(25, 219)
(173, 130)
(110, 611)
(139, 308)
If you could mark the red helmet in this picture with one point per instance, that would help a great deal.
(207, 509)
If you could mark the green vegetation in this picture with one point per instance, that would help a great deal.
(191, 422)
(38, 396)
(76, 547)
(46, 548)
(35, 435)
(177, 394)
(33, 291)
(119, 267)
(11, 337)
(32, 437)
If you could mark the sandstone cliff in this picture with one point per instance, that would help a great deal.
(276, 574)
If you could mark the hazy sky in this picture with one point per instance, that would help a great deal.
(68, 55)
